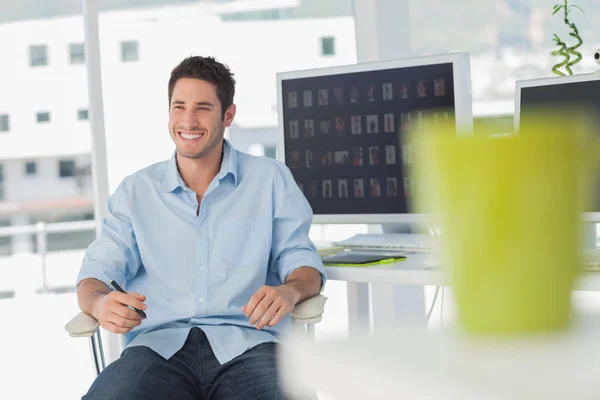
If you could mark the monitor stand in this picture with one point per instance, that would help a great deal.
(393, 304)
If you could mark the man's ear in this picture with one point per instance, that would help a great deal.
(229, 115)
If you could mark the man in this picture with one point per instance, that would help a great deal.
(213, 246)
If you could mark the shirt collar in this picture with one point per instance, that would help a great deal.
(229, 165)
(172, 179)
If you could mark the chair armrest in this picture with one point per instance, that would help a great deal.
(310, 310)
(82, 325)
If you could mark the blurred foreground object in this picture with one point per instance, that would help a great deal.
(416, 365)
(509, 210)
(510, 213)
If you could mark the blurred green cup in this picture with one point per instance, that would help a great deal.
(510, 213)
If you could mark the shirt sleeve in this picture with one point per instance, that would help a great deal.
(291, 246)
(114, 254)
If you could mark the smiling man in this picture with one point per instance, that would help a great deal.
(213, 245)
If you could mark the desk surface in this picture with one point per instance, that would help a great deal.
(413, 271)
(413, 364)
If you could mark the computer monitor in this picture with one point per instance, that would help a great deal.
(341, 132)
(580, 94)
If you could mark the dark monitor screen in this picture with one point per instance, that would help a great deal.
(344, 134)
(579, 95)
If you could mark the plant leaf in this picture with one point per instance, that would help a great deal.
(577, 7)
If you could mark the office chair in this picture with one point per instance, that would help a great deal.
(304, 317)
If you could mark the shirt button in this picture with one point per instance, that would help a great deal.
(202, 268)
(201, 299)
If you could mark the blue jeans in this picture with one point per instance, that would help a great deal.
(192, 373)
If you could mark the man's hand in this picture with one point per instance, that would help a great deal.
(113, 314)
(270, 304)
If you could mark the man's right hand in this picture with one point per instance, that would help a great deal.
(113, 313)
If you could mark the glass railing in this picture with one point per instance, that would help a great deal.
(57, 249)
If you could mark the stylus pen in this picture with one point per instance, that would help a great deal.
(119, 289)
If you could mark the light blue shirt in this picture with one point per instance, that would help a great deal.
(200, 270)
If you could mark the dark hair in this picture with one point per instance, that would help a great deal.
(210, 70)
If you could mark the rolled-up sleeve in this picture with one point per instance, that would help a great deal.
(292, 217)
(114, 254)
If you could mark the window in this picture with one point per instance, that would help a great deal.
(77, 53)
(2, 197)
(4, 123)
(82, 114)
(328, 46)
(259, 15)
(30, 168)
(43, 117)
(38, 55)
(66, 168)
(514, 33)
(271, 152)
(129, 51)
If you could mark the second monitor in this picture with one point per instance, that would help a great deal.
(577, 94)
(342, 131)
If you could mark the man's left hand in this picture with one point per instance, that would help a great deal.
(270, 304)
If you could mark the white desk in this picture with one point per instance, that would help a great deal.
(411, 272)
(448, 365)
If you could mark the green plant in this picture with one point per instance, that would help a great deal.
(563, 50)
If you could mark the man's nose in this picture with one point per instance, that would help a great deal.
(190, 120)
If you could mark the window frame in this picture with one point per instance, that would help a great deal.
(130, 45)
(83, 110)
(4, 123)
(29, 172)
(62, 168)
(327, 41)
(35, 57)
(40, 114)
(76, 57)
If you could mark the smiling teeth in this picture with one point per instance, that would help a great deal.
(190, 137)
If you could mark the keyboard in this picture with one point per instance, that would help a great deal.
(424, 243)
(388, 241)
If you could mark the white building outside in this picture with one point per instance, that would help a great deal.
(45, 143)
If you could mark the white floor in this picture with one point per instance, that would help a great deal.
(38, 359)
